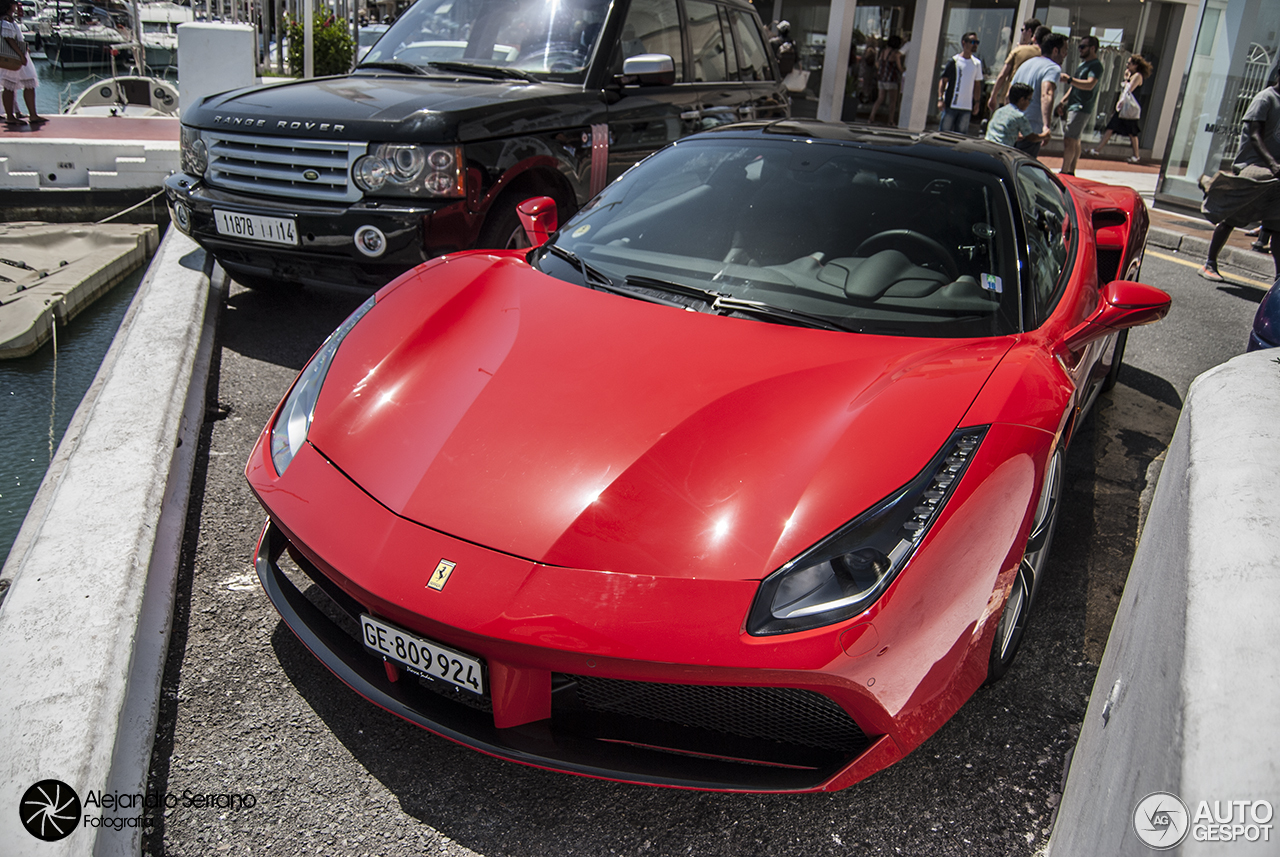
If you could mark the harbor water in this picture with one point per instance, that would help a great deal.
(40, 393)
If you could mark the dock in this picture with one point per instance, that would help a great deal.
(49, 272)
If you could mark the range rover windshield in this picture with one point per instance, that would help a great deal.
(535, 37)
(802, 232)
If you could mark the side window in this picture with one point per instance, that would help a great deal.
(652, 27)
(1046, 213)
(753, 59)
(707, 38)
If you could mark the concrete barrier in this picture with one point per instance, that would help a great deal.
(85, 621)
(1187, 697)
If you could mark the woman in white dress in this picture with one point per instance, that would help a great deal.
(25, 77)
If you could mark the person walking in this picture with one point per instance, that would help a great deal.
(1042, 74)
(1251, 191)
(960, 87)
(889, 79)
(24, 78)
(1124, 121)
(1077, 106)
(867, 84)
(1027, 48)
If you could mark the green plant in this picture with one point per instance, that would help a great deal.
(333, 47)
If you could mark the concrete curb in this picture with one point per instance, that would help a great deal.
(1259, 265)
(84, 625)
(1192, 656)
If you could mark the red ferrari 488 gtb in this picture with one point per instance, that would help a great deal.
(742, 479)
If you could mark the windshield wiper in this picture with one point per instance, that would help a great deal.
(495, 71)
(778, 313)
(674, 288)
(408, 68)
(595, 279)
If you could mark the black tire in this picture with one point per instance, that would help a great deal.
(1117, 359)
(1017, 608)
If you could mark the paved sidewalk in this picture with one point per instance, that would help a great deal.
(1174, 231)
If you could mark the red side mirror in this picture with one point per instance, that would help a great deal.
(539, 218)
(1124, 304)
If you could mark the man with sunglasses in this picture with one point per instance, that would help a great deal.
(960, 87)
(1076, 108)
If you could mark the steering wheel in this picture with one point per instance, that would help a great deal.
(938, 252)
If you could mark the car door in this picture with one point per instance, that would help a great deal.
(646, 116)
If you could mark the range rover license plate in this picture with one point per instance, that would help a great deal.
(422, 657)
(255, 227)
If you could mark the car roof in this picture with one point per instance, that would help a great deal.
(944, 147)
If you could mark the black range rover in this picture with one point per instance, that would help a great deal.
(462, 110)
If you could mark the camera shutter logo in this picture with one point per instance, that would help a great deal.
(1161, 820)
(50, 810)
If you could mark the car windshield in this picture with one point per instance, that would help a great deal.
(862, 240)
(552, 37)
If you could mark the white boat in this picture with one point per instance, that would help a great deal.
(128, 95)
(160, 22)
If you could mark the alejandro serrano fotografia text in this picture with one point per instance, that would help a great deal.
(116, 801)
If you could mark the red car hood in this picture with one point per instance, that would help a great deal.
(577, 428)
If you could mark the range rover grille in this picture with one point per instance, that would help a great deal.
(279, 166)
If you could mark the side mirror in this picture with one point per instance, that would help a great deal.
(539, 218)
(649, 70)
(1124, 304)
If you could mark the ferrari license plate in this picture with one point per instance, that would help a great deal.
(423, 657)
(255, 227)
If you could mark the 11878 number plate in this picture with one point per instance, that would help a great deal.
(255, 227)
(423, 657)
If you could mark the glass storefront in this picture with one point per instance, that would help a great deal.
(1237, 43)
(1122, 29)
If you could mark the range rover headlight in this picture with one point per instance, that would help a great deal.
(194, 154)
(846, 572)
(294, 420)
(405, 169)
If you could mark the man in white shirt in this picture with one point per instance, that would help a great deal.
(1042, 74)
(960, 87)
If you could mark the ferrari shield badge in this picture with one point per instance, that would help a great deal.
(440, 576)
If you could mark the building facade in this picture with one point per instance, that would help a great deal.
(832, 35)
(1236, 44)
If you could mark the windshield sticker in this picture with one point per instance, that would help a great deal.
(582, 230)
(992, 283)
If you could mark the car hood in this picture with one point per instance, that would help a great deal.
(390, 107)
(582, 429)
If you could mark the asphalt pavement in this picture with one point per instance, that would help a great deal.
(246, 710)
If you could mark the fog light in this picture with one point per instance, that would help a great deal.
(182, 217)
(370, 241)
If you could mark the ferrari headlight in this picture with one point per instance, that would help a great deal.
(407, 169)
(846, 572)
(294, 420)
(193, 154)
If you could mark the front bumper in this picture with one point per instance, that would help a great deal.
(642, 732)
(326, 252)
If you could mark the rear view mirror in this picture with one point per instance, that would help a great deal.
(1124, 304)
(649, 70)
(539, 218)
